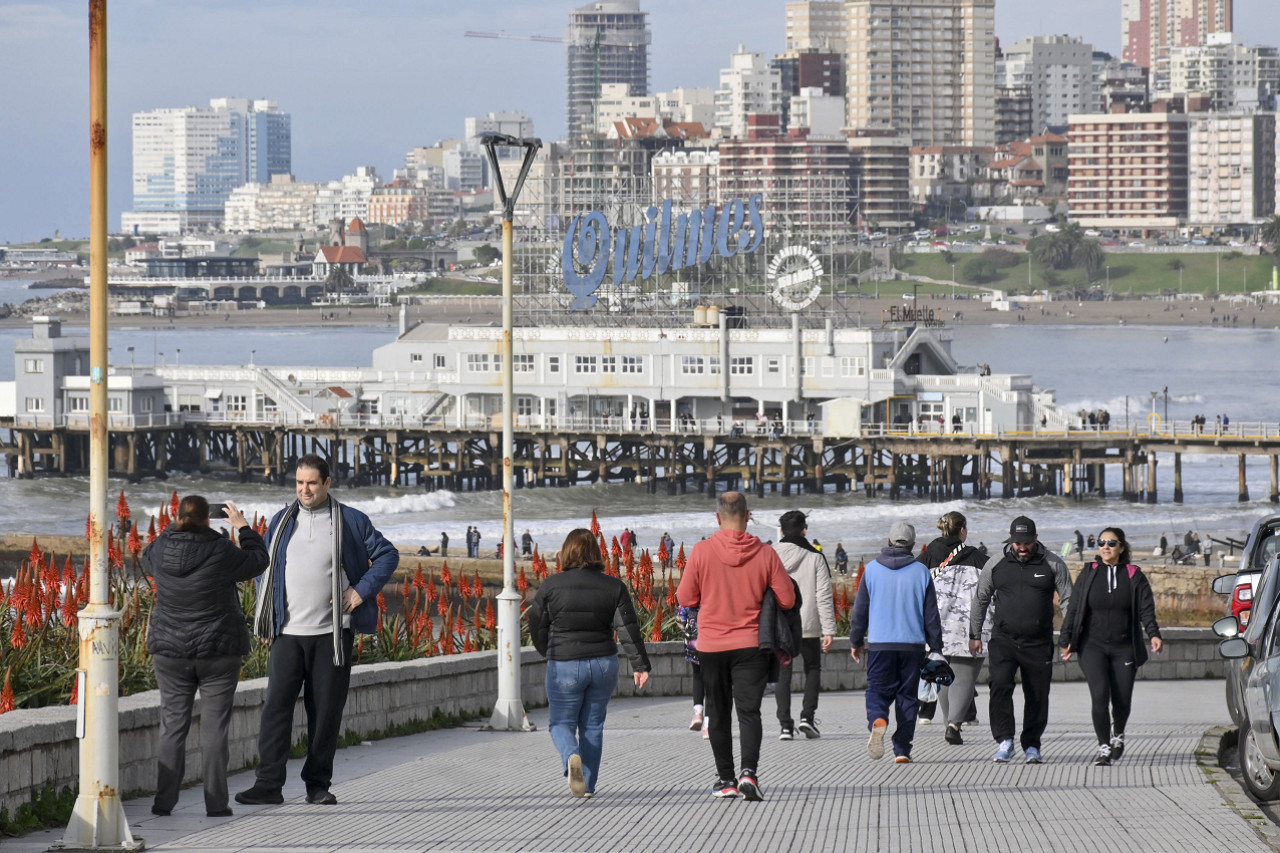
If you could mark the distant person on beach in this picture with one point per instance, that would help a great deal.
(726, 579)
(328, 564)
(471, 541)
(572, 621)
(197, 640)
(895, 617)
(526, 543)
(809, 569)
(444, 544)
(1079, 543)
(842, 559)
(1020, 583)
(1110, 606)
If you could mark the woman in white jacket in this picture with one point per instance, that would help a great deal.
(809, 569)
(955, 567)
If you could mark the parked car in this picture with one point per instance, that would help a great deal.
(972, 229)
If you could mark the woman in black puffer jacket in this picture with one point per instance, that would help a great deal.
(198, 638)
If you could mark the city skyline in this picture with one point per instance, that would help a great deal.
(364, 85)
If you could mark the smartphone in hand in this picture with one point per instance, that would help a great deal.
(217, 510)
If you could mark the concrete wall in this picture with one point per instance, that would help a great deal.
(38, 748)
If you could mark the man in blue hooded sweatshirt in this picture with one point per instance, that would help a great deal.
(896, 616)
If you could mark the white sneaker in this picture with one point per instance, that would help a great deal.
(577, 784)
(875, 746)
(696, 724)
(706, 728)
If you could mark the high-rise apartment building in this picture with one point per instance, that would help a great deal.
(1128, 170)
(748, 86)
(922, 69)
(187, 161)
(1057, 71)
(606, 42)
(1231, 169)
(817, 25)
(1230, 75)
(1148, 28)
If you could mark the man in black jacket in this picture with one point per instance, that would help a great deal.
(1020, 583)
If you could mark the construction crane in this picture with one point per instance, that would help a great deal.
(472, 34)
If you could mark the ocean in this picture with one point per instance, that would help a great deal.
(1208, 371)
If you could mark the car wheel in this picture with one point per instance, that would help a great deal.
(1260, 781)
(1233, 705)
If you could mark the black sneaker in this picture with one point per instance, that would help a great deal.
(953, 735)
(749, 788)
(1104, 755)
(810, 729)
(259, 796)
(321, 797)
(788, 733)
(725, 789)
(1117, 746)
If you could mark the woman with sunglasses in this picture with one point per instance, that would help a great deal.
(1110, 606)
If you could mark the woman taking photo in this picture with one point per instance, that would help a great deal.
(197, 640)
(955, 567)
(572, 619)
(1111, 603)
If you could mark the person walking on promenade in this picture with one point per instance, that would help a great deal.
(809, 569)
(726, 578)
(475, 543)
(895, 616)
(526, 543)
(1019, 583)
(1111, 604)
(444, 544)
(328, 564)
(572, 622)
(198, 639)
(471, 541)
(688, 619)
(955, 567)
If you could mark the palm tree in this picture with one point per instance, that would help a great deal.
(1052, 252)
(1089, 254)
(1270, 233)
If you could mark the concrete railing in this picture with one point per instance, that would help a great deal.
(38, 748)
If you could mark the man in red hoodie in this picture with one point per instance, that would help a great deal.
(726, 578)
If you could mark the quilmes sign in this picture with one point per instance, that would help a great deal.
(655, 246)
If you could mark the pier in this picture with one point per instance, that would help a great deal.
(790, 457)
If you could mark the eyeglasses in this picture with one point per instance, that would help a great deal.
(1108, 543)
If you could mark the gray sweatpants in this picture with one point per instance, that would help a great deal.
(178, 679)
(966, 670)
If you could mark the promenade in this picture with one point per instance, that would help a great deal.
(463, 789)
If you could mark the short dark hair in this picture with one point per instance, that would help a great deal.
(581, 551)
(793, 523)
(1125, 553)
(193, 513)
(316, 463)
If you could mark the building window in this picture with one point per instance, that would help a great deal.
(115, 404)
(608, 364)
(35, 404)
(742, 365)
(692, 365)
(522, 363)
(773, 365)
(553, 364)
(806, 366)
(478, 362)
(33, 365)
(237, 403)
(145, 404)
(852, 366)
(632, 364)
(78, 404)
(439, 361)
(828, 367)
(713, 365)
(415, 357)
(524, 406)
(584, 364)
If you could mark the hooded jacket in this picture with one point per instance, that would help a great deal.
(1142, 610)
(896, 608)
(197, 611)
(955, 568)
(725, 578)
(1022, 595)
(809, 570)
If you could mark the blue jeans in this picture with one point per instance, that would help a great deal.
(578, 694)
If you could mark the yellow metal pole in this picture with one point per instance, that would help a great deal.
(98, 821)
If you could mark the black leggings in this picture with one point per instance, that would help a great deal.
(1110, 671)
(699, 691)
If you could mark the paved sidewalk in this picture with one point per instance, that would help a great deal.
(464, 789)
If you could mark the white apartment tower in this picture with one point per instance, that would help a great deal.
(816, 25)
(1057, 71)
(1149, 28)
(1234, 78)
(606, 42)
(749, 85)
(186, 161)
(1231, 169)
(922, 69)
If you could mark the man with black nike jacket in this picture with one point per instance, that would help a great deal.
(1019, 583)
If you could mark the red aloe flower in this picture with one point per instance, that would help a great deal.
(75, 691)
(7, 702)
(69, 594)
(419, 579)
(464, 586)
(135, 542)
(477, 587)
(173, 504)
(33, 613)
(467, 646)
(656, 634)
(442, 604)
(522, 582)
(36, 554)
(122, 508)
(477, 621)
(671, 593)
(595, 524)
(432, 592)
(18, 638)
(558, 569)
(663, 554)
(151, 532)
(446, 577)
(681, 561)
(382, 611)
(165, 518)
(490, 620)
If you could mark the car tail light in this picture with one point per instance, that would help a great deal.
(1242, 603)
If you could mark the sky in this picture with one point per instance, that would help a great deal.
(364, 80)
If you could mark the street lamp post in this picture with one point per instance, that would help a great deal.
(131, 360)
(1107, 288)
(953, 281)
(98, 820)
(508, 711)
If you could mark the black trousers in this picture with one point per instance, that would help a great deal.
(178, 680)
(1005, 659)
(735, 681)
(303, 664)
(811, 652)
(1110, 671)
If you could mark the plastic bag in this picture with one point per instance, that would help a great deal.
(927, 692)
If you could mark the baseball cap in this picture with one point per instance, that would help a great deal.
(902, 535)
(1022, 529)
